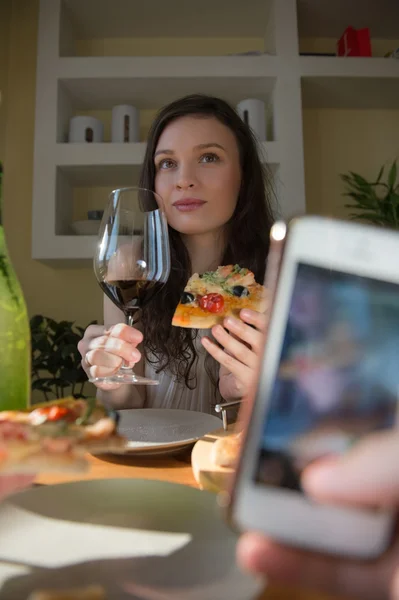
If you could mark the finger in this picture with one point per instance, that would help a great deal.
(234, 366)
(131, 335)
(114, 345)
(91, 332)
(368, 474)
(260, 555)
(101, 358)
(255, 318)
(234, 347)
(244, 332)
(96, 371)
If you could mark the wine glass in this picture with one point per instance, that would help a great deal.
(132, 258)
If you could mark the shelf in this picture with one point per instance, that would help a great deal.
(365, 83)
(100, 164)
(67, 85)
(112, 164)
(323, 18)
(70, 251)
(150, 82)
(155, 18)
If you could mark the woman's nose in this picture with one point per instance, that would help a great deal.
(185, 178)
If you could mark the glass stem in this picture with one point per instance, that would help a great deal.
(130, 322)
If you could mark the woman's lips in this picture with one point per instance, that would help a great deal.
(188, 204)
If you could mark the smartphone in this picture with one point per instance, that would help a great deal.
(329, 375)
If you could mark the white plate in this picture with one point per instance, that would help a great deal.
(141, 540)
(163, 430)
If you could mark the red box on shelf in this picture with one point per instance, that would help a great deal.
(354, 42)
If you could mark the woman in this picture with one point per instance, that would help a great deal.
(200, 152)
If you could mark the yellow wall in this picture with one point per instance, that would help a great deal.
(167, 46)
(63, 294)
(5, 9)
(335, 141)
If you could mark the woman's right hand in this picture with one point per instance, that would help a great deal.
(368, 477)
(104, 350)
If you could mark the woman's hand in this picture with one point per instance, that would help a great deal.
(367, 476)
(103, 351)
(242, 343)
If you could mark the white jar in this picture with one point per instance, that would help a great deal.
(84, 129)
(125, 124)
(253, 112)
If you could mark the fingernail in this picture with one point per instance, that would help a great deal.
(245, 313)
(230, 322)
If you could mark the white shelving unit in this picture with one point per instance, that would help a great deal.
(69, 82)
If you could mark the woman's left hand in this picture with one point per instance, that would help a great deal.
(240, 353)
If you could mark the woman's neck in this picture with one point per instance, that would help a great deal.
(205, 250)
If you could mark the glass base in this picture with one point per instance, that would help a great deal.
(125, 378)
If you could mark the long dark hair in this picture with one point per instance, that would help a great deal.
(247, 234)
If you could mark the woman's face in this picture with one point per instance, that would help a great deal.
(198, 174)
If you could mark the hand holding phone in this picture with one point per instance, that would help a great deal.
(329, 376)
(367, 475)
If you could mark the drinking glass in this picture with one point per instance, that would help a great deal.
(132, 259)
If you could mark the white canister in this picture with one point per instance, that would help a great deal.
(85, 130)
(253, 113)
(125, 124)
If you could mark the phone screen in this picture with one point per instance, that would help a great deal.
(338, 374)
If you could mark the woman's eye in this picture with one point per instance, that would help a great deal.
(210, 158)
(166, 163)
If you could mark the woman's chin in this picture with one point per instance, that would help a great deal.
(193, 228)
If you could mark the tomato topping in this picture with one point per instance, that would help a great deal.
(52, 413)
(212, 302)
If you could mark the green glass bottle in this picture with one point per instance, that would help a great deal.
(15, 352)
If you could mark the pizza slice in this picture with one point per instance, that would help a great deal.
(210, 297)
(55, 436)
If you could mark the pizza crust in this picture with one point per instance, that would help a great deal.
(45, 462)
(182, 319)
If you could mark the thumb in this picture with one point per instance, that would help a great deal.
(367, 475)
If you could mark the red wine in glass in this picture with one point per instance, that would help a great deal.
(132, 259)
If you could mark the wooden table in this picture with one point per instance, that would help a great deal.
(176, 469)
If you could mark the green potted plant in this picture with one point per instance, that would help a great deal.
(56, 362)
(375, 201)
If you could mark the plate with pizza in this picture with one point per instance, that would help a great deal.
(55, 436)
(211, 296)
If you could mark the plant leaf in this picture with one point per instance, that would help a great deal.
(392, 175)
(380, 174)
